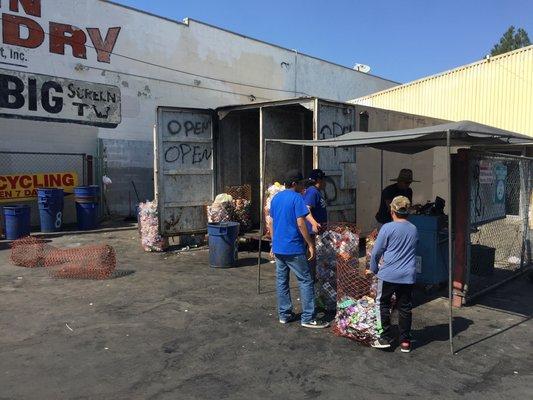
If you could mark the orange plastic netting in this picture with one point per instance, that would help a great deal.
(86, 262)
(356, 292)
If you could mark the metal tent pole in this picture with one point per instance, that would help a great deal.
(262, 211)
(450, 242)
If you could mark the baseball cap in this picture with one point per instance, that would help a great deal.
(400, 205)
(317, 174)
(293, 176)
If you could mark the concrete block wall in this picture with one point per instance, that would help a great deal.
(127, 161)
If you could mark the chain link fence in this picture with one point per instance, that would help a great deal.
(21, 172)
(500, 195)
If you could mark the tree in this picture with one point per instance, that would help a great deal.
(511, 41)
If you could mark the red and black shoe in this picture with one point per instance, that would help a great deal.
(405, 346)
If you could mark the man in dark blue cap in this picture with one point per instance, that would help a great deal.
(317, 207)
(315, 201)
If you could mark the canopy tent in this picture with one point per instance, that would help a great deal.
(411, 141)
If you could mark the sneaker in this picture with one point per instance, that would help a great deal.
(380, 343)
(405, 346)
(288, 319)
(314, 324)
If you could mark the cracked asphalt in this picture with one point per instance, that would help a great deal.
(170, 327)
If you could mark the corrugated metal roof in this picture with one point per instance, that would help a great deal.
(497, 91)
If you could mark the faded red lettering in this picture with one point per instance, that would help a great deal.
(68, 180)
(25, 182)
(11, 31)
(55, 180)
(104, 48)
(3, 186)
(31, 7)
(13, 181)
(36, 181)
(62, 35)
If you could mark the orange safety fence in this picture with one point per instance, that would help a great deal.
(86, 262)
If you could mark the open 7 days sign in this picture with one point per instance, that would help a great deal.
(41, 97)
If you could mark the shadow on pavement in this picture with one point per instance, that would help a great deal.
(493, 335)
(439, 333)
(250, 262)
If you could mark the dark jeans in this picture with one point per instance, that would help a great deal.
(404, 302)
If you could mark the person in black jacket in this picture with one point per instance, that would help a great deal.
(400, 188)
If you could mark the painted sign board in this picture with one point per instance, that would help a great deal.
(487, 191)
(47, 98)
(24, 186)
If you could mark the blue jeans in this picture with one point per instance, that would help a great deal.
(299, 265)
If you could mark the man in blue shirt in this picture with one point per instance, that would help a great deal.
(315, 201)
(289, 238)
(395, 248)
(317, 207)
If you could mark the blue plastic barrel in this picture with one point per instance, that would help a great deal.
(18, 222)
(86, 198)
(223, 244)
(50, 209)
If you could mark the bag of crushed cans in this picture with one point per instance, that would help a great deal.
(356, 316)
(151, 240)
(336, 243)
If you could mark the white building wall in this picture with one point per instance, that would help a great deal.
(144, 85)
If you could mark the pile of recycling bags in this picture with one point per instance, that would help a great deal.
(225, 209)
(151, 240)
(336, 244)
(222, 209)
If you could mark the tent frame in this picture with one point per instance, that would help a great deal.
(465, 129)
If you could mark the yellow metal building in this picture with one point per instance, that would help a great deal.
(496, 91)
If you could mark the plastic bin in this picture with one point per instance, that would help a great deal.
(223, 250)
(86, 198)
(18, 221)
(50, 209)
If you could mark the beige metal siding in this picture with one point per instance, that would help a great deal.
(497, 92)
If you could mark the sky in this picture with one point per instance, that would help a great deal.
(401, 40)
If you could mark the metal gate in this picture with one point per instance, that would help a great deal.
(22, 172)
(500, 222)
(184, 176)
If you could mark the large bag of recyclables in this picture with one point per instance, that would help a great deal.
(151, 240)
(270, 193)
(356, 294)
(222, 209)
(227, 209)
(335, 243)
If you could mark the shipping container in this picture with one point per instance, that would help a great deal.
(199, 152)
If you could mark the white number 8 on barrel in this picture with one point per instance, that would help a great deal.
(59, 216)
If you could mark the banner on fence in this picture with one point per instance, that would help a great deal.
(24, 186)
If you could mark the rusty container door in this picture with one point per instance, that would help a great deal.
(184, 178)
(333, 120)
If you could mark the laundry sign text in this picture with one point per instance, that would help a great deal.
(23, 26)
(42, 97)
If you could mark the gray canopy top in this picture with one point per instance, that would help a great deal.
(410, 141)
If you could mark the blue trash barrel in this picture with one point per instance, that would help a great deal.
(86, 198)
(18, 222)
(223, 244)
(50, 209)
